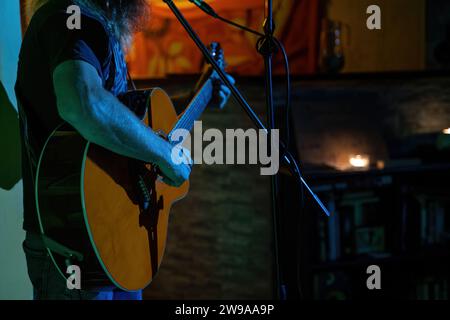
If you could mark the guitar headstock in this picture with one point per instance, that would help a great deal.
(217, 53)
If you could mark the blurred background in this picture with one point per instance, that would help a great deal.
(370, 123)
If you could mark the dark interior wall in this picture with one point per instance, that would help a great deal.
(14, 282)
(438, 34)
(10, 170)
(377, 116)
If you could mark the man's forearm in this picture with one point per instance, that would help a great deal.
(112, 125)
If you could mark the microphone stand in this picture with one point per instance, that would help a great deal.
(266, 48)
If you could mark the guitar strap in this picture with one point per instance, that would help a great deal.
(30, 148)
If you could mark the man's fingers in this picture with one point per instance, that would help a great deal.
(231, 79)
(223, 96)
(225, 89)
(187, 157)
(221, 93)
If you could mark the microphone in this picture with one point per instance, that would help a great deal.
(205, 7)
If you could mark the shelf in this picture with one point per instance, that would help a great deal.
(432, 255)
(377, 172)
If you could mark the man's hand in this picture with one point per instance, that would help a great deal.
(174, 174)
(221, 92)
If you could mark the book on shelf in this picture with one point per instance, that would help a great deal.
(432, 288)
(354, 228)
(434, 220)
(332, 286)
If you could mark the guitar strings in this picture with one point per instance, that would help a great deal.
(193, 112)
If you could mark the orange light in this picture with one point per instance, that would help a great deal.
(359, 161)
(446, 131)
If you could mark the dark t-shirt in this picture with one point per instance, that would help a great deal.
(47, 43)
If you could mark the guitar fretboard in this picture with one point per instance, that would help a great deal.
(195, 108)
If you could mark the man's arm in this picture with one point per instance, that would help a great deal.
(100, 118)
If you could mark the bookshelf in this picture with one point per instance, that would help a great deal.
(398, 219)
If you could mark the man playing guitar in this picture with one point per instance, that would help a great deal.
(76, 76)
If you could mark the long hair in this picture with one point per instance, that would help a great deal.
(129, 13)
(126, 16)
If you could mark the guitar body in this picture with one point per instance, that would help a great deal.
(110, 209)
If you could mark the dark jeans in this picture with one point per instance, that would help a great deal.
(48, 284)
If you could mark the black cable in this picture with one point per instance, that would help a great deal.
(288, 91)
(239, 26)
(288, 98)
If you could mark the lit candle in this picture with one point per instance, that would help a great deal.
(359, 161)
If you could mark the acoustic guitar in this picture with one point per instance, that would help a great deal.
(106, 213)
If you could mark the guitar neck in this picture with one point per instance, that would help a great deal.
(195, 108)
